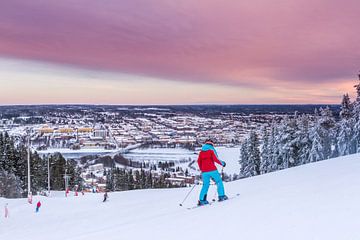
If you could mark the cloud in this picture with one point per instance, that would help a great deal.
(252, 43)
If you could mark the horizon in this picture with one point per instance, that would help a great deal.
(179, 53)
(171, 105)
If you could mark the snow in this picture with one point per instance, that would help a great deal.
(231, 156)
(315, 201)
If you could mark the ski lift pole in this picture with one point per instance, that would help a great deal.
(28, 167)
(187, 195)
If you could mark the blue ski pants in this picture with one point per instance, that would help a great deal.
(214, 175)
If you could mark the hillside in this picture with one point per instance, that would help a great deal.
(314, 201)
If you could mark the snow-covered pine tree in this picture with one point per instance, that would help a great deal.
(252, 165)
(344, 138)
(303, 123)
(265, 152)
(356, 118)
(280, 141)
(322, 136)
(273, 147)
(10, 185)
(327, 123)
(290, 142)
(243, 161)
(316, 151)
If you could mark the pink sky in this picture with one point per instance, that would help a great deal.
(284, 46)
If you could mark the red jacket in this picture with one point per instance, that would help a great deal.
(207, 160)
(38, 204)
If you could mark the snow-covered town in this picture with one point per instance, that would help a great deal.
(161, 140)
(113, 130)
(146, 135)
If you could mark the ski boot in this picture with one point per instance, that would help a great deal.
(223, 198)
(202, 202)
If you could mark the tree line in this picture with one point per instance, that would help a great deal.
(302, 139)
(13, 169)
(120, 179)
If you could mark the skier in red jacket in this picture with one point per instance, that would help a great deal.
(206, 161)
(38, 205)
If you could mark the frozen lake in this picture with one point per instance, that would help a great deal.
(228, 154)
(182, 157)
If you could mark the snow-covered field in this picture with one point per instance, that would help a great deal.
(317, 201)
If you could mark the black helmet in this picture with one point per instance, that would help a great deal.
(209, 141)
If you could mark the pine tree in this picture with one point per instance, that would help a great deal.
(109, 179)
(149, 180)
(327, 123)
(142, 179)
(130, 181)
(274, 151)
(345, 136)
(316, 151)
(304, 139)
(243, 161)
(265, 153)
(38, 170)
(251, 165)
(137, 180)
(57, 168)
(289, 143)
(356, 118)
(10, 185)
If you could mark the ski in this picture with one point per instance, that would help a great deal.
(213, 202)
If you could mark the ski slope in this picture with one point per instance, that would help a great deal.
(315, 201)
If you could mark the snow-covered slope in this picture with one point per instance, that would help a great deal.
(315, 201)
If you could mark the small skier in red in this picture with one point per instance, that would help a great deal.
(38, 205)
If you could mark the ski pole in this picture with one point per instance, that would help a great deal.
(187, 195)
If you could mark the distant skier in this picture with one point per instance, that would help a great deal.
(206, 161)
(6, 210)
(38, 205)
(105, 197)
(30, 198)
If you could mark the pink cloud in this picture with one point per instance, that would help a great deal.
(228, 42)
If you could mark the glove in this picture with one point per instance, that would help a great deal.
(223, 163)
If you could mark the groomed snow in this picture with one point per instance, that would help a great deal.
(317, 201)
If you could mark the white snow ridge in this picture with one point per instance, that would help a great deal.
(316, 201)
